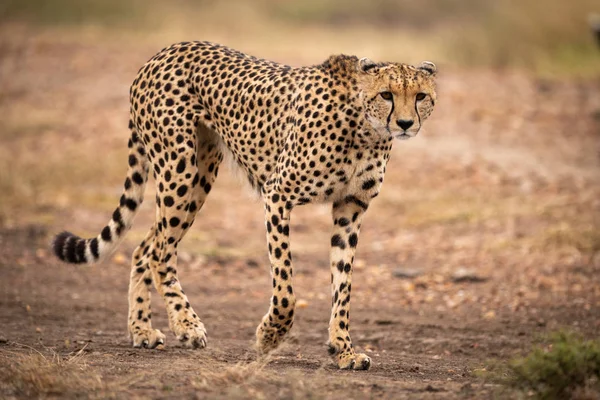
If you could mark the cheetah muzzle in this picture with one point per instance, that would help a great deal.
(318, 134)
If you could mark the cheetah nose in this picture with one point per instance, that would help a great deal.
(405, 124)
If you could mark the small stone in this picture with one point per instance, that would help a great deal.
(407, 273)
(119, 259)
(489, 315)
(302, 303)
(3, 340)
(467, 275)
(541, 322)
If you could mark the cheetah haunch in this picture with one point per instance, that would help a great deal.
(302, 135)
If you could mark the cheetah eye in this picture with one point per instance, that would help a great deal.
(386, 95)
(421, 96)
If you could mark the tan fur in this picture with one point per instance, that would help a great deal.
(320, 134)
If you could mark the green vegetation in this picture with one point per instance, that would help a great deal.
(566, 367)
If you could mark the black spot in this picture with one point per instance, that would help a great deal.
(168, 201)
(131, 204)
(70, 245)
(174, 222)
(117, 218)
(368, 184)
(181, 165)
(80, 250)
(331, 350)
(353, 199)
(182, 190)
(59, 243)
(353, 240)
(140, 300)
(137, 178)
(337, 241)
(106, 234)
(94, 247)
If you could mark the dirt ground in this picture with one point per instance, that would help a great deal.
(486, 235)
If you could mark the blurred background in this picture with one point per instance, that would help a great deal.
(67, 62)
(491, 214)
(66, 65)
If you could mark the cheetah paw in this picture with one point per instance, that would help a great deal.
(193, 337)
(267, 339)
(354, 361)
(148, 338)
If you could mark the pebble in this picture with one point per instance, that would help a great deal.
(467, 275)
(302, 303)
(407, 273)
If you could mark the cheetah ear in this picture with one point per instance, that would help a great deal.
(428, 67)
(365, 64)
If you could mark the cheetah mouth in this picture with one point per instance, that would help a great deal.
(403, 136)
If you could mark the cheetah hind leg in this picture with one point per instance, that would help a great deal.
(177, 208)
(139, 322)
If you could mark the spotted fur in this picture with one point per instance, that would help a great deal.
(301, 135)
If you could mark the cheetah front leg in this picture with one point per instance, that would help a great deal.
(347, 215)
(279, 319)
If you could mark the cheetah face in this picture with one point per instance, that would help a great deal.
(397, 98)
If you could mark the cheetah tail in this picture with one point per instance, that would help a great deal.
(73, 249)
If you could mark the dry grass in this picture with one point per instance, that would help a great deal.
(250, 379)
(36, 374)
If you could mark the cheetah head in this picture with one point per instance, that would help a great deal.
(397, 98)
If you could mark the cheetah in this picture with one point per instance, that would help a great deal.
(317, 134)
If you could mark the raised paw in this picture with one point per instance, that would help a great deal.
(353, 361)
(194, 337)
(267, 338)
(148, 338)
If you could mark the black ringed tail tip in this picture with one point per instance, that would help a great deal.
(70, 248)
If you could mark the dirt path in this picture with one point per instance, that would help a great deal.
(485, 236)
